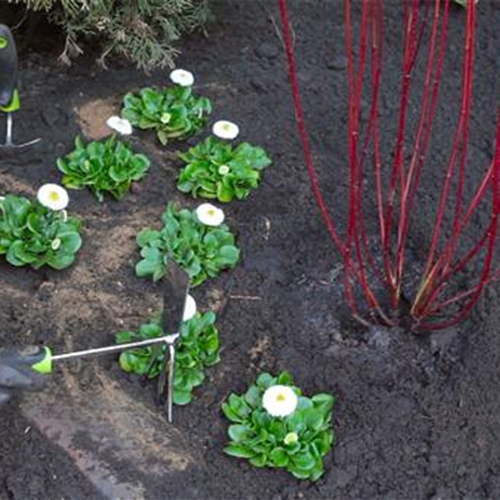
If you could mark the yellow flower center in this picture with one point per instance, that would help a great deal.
(280, 398)
(211, 212)
(54, 196)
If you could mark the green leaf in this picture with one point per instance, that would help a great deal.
(152, 264)
(18, 256)
(259, 460)
(125, 362)
(61, 261)
(239, 451)
(317, 471)
(231, 414)
(279, 457)
(225, 193)
(229, 253)
(148, 237)
(323, 400)
(313, 419)
(253, 396)
(264, 381)
(239, 406)
(239, 432)
(163, 137)
(298, 472)
(124, 337)
(261, 418)
(182, 397)
(285, 378)
(35, 223)
(71, 242)
(304, 460)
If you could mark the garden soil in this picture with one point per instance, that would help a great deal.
(416, 417)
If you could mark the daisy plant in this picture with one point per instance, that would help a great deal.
(39, 232)
(197, 349)
(215, 168)
(197, 240)
(174, 112)
(108, 166)
(275, 425)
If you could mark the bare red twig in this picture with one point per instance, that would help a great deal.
(431, 308)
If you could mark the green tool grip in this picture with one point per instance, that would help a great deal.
(9, 97)
(42, 362)
(14, 104)
(36, 358)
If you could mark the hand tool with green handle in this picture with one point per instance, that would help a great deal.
(41, 359)
(176, 288)
(9, 93)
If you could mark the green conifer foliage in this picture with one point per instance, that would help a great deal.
(143, 31)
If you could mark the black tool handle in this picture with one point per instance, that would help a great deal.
(8, 66)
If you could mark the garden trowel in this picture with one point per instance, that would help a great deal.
(9, 93)
(176, 288)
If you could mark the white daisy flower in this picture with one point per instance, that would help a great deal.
(224, 170)
(291, 438)
(182, 77)
(280, 400)
(56, 243)
(224, 129)
(189, 308)
(53, 196)
(210, 215)
(120, 125)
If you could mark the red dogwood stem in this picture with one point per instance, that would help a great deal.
(461, 135)
(304, 136)
(491, 234)
(419, 149)
(352, 271)
(428, 310)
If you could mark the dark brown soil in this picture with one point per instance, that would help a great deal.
(416, 418)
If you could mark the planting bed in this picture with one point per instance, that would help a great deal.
(417, 417)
